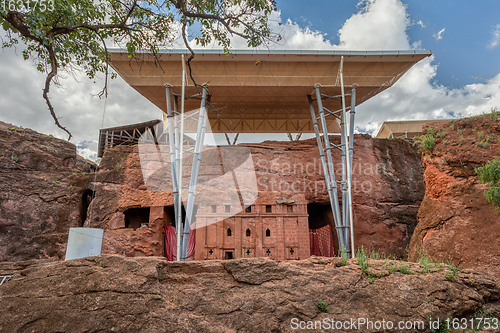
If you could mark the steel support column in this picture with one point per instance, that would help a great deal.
(176, 121)
(198, 149)
(328, 169)
(342, 216)
(172, 139)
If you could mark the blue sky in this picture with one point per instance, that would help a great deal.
(462, 78)
(462, 53)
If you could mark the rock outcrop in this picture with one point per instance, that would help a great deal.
(45, 189)
(455, 220)
(119, 294)
(42, 183)
(387, 190)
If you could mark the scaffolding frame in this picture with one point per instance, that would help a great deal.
(175, 120)
(342, 214)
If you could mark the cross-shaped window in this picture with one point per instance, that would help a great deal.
(268, 252)
(291, 251)
(248, 252)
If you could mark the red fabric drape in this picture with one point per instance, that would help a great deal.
(171, 242)
(321, 242)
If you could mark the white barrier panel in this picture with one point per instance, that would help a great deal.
(84, 242)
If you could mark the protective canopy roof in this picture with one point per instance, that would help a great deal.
(265, 91)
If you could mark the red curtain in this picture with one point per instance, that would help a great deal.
(171, 242)
(321, 242)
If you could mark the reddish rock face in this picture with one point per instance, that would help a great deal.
(387, 190)
(42, 187)
(455, 221)
(118, 294)
(45, 189)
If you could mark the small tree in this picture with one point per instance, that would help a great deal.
(67, 35)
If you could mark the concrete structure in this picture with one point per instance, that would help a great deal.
(404, 128)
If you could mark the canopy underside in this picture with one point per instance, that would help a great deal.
(265, 92)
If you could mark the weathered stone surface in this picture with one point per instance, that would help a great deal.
(43, 184)
(114, 293)
(455, 220)
(387, 188)
(42, 181)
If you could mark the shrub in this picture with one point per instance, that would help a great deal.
(490, 174)
(428, 142)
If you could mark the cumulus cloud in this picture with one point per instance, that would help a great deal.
(378, 25)
(75, 101)
(438, 36)
(495, 40)
(415, 97)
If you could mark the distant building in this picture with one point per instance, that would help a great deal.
(404, 128)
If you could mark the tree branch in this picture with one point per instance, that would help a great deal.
(46, 89)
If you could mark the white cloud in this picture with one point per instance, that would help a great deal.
(88, 153)
(439, 35)
(421, 24)
(414, 96)
(379, 25)
(75, 102)
(495, 40)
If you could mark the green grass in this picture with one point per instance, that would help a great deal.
(490, 174)
(426, 261)
(322, 306)
(362, 258)
(428, 143)
(480, 318)
(449, 276)
(482, 144)
(404, 268)
(452, 271)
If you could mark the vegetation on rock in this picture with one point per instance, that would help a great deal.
(490, 174)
